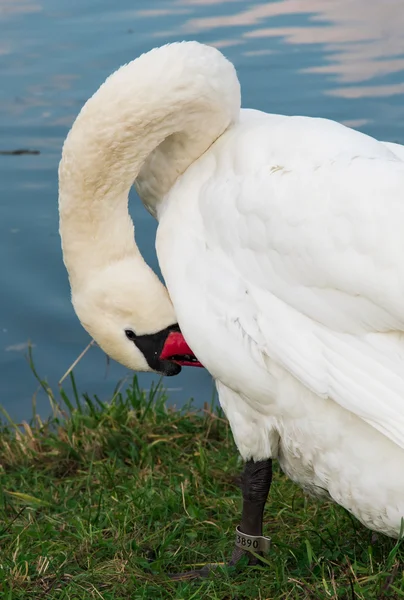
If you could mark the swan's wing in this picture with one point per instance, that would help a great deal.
(319, 246)
(398, 149)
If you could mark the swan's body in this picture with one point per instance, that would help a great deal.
(292, 262)
(281, 243)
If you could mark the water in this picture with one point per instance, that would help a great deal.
(341, 59)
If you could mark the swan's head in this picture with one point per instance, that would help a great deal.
(128, 312)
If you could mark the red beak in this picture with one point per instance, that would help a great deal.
(177, 350)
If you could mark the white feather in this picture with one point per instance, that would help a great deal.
(281, 249)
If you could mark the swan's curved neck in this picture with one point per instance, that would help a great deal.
(171, 103)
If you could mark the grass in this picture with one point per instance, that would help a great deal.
(103, 500)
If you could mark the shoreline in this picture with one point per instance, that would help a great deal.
(105, 499)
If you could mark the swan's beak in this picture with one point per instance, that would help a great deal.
(177, 350)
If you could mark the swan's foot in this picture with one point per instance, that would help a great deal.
(255, 482)
(259, 546)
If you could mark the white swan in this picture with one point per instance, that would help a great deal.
(281, 243)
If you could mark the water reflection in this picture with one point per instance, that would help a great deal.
(362, 40)
(8, 7)
(205, 2)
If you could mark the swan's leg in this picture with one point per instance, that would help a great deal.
(255, 482)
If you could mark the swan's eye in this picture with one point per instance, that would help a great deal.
(131, 335)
